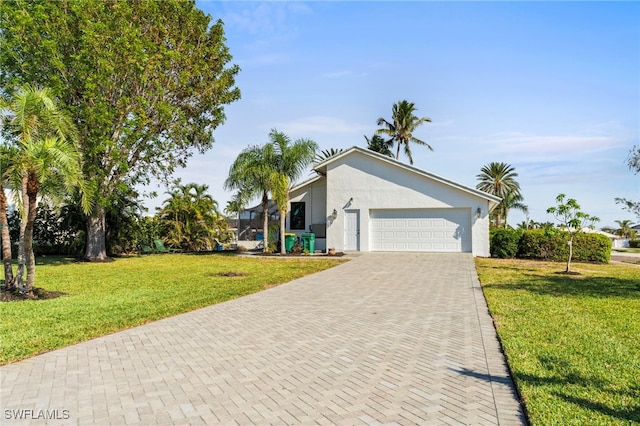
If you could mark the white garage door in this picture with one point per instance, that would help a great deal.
(431, 230)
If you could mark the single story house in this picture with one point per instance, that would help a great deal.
(616, 240)
(364, 201)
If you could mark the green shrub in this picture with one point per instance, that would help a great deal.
(634, 244)
(504, 243)
(539, 244)
(592, 248)
(551, 244)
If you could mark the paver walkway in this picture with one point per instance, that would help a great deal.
(383, 339)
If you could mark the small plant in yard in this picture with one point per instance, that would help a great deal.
(573, 220)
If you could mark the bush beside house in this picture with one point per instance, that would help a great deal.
(549, 244)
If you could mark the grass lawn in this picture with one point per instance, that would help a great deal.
(571, 341)
(626, 250)
(101, 298)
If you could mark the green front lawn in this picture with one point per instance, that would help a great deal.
(102, 298)
(571, 341)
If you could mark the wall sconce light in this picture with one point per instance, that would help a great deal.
(478, 212)
(350, 200)
(334, 215)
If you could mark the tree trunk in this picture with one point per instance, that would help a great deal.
(283, 249)
(96, 250)
(265, 221)
(6, 241)
(32, 193)
(22, 258)
(570, 243)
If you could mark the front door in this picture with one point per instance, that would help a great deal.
(352, 230)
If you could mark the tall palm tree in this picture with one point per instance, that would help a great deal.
(498, 179)
(47, 163)
(6, 154)
(378, 144)
(401, 127)
(6, 241)
(270, 169)
(292, 158)
(251, 174)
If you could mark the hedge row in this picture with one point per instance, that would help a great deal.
(549, 244)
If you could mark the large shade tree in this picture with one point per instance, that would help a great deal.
(144, 81)
(46, 163)
(499, 179)
(401, 127)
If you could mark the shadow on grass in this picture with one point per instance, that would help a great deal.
(55, 260)
(575, 285)
(566, 384)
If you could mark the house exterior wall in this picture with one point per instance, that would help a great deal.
(314, 196)
(375, 184)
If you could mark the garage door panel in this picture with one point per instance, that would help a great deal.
(435, 230)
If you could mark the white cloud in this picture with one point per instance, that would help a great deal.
(544, 146)
(321, 124)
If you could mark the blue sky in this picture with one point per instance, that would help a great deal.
(552, 88)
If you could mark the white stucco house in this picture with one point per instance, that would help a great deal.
(364, 201)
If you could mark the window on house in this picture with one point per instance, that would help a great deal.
(296, 220)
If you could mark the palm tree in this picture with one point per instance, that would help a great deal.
(498, 179)
(270, 169)
(401, 127)
(192, 219)
(6, 154)
(47, 163)
(512, 200)
(625, 230)
(378, 144)
(291, 161)
(236, 206)
(251, 174)
(327, 153)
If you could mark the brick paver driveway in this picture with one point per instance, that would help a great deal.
(383, 339)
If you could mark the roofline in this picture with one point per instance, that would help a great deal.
(305, 183)
(393, 161)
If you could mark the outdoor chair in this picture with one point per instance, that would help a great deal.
(146, 249)
(160, 248)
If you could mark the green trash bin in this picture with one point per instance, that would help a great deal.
(289, 242)
(309, 242)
